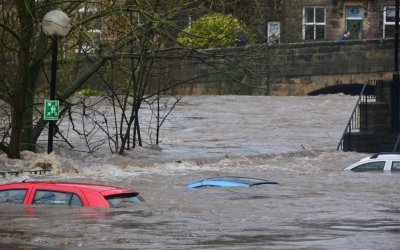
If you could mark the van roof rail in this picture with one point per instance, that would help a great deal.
(384, 153)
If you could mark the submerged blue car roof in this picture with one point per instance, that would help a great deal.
(230, 181)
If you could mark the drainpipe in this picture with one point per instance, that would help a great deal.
(396, 81)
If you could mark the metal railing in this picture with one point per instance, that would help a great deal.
(356, 120)
(17, 173)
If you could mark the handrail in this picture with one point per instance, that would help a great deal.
(353, 120)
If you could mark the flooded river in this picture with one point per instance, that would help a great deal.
(290, 140)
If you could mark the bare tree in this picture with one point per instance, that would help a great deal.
(131, 57)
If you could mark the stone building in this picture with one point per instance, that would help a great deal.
(279, 21)
(310, 20)
(288, 21)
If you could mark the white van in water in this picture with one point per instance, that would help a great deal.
(378, 162)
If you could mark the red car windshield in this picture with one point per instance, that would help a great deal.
(122, 200)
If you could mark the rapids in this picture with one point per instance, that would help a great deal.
(290, 140)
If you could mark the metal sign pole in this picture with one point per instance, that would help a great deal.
(52, 89)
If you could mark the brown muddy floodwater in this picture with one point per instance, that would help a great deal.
(290, 140)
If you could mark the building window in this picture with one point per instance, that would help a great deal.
(313, 23)
(389, 18)
(354, 21)
(274, 32)
(90, 37)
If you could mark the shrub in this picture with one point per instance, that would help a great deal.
(211, 31)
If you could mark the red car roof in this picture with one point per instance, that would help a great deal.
(91, 195)
(103, 189)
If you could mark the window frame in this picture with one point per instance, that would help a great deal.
(360, 8)
(115, 200)
(385, 8)
(71, 197)
(397, 168)
(355, 22)
(16, 189)
(314, 24)
(360, 168)
(274, 28)
(89, 46)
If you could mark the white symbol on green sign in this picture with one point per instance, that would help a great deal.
(51, 110)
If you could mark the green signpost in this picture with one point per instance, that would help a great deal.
(51, 109)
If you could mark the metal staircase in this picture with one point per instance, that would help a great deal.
(369, 125)
(356, 120)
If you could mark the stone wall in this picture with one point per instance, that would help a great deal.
(283, 69)
(288, 69)
(313, 66)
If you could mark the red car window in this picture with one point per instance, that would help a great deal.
(56, 198)
(14, 196)
(121, 200)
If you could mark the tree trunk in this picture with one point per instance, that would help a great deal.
(40, 46)
(22, 78)
(27, 132)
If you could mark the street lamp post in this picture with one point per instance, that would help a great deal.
(55, 24)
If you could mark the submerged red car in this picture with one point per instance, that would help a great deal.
(67, 193)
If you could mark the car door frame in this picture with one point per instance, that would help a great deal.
(72, 190)
(388, 165)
